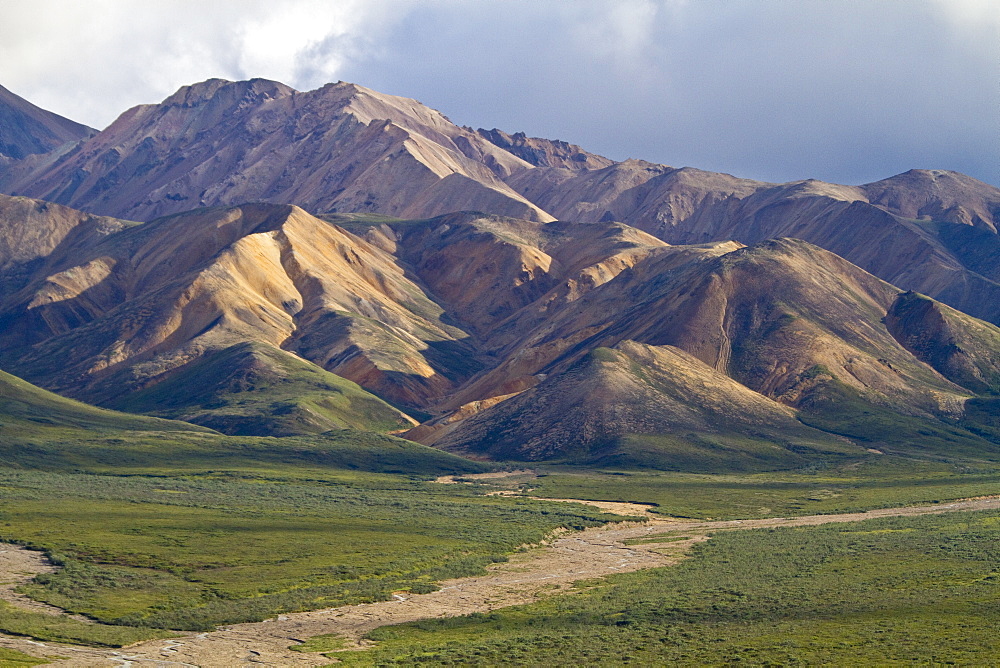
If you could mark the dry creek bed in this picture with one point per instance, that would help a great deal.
(543, 571)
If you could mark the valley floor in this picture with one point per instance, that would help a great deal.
(530, 575)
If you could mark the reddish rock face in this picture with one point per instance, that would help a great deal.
(704, 312)
(350, 149)
(341, 147)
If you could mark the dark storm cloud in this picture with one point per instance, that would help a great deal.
(836, 90)
(842, 91)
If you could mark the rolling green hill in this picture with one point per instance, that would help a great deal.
(28, 410)
(253, 389)
(41, 430)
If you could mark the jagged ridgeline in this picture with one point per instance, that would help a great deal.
(347, 148)
(496, 295)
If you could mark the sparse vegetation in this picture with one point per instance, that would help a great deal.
(149, 544)
(881, 482)
(882, 592)
(157, 551)
(66, 629)
(11, 658)
(328, 642)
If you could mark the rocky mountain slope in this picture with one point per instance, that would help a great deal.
(238, 317)
(922, 230)
(794, 323)
(153, 297)
(640, 405)
(341, 147)
(724, 320)
(29, 130)
(347, 148)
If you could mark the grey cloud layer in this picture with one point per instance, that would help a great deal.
(839, 90)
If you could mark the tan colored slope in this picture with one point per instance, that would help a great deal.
(900, 228)
(340, 147)
(482, 268)
(697, 417)
(765, 315)
(178, 287)
(499, 277)
(491, 272)
(905, 252)
(575, 314)
(368, 105)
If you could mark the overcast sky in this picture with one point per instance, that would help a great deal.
(843, 91)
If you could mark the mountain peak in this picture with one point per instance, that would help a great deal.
(341, 147)
(26, 129)
(204, 91)
(545, 152)
(938, 194)
(368, 105)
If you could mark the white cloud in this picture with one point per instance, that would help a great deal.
(92, 60)
(838, 89)
(619, 30)
(273, 43)
(975, 14)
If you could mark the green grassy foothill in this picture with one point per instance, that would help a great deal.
(252, 389)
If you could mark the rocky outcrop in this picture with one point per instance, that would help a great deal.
(341, 147)
(464, 318)
(545, 152)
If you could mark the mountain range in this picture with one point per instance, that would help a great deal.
(262, 261)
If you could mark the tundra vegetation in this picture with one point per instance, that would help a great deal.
(524, 300)
(906, 590)
(162, 526)
(189, 552)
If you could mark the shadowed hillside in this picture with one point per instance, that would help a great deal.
(249, 319)
(28, 130)
(479, 280)
(254, 389)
